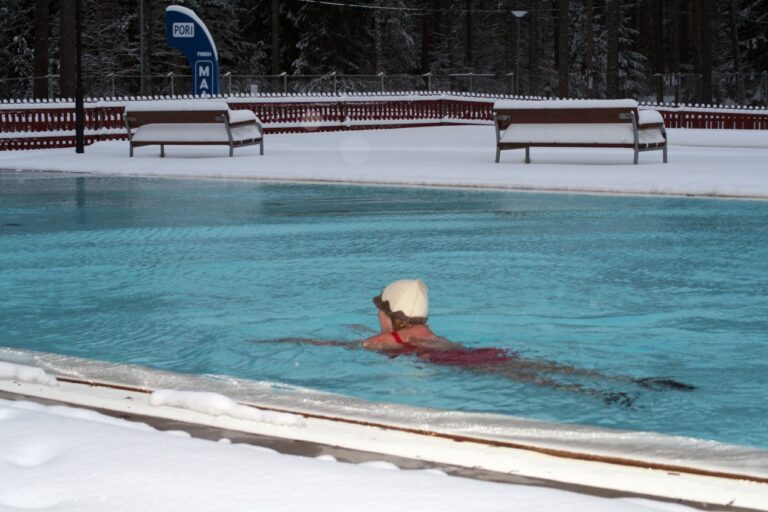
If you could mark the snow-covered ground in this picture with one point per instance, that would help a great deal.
(702, 162)
(66, 459)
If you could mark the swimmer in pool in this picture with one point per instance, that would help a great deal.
(403, 308)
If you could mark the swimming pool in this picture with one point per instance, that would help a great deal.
(205, 276)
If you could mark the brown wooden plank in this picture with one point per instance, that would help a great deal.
(175, 117)
(567, 115)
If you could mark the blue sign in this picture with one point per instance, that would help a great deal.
(185, 31)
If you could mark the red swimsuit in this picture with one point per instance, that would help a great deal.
(458, 356)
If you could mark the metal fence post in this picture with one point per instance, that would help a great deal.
(285, 82)
(333, 74)
(429, 81)
(170, 75)
(49, 77)
(512, 88)
(679, 91)
(381, 75)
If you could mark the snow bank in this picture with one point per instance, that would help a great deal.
(215, 404)
(719, 139)
(54, 460)
(28, 374)
(441, 156)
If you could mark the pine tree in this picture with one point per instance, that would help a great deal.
(41, 37)
(612, 68)
(16, 47)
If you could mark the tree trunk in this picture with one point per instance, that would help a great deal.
(378, 43)
(512, 49)
(736, 51)
(276, 37)
(42, 28)
(67, 49)
(149, 6)
(562, 48)
(468, 63)
(426, 38)
(589, 51)
(450, 33)
(674, 45)
(612, 21)
(658, 39)
(533, 48)
(706, 51)
(703, 85)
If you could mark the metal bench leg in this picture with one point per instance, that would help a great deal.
(527, 154)
(637, 154)
(498, 154)
(665, 153)
(261, 147)
(130, 152)
(162, 150)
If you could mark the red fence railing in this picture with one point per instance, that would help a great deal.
(40, 125)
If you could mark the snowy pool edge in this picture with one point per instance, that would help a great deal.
(605, 458)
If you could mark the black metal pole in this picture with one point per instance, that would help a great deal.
(517, 58)
(79, 114)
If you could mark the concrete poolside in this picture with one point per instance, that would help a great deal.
(587, 460)
(728, 163)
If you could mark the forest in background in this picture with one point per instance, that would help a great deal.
(704, 51)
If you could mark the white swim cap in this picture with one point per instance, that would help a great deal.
(409, 297)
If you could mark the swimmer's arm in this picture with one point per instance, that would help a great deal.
(309, 341)
(383, 341)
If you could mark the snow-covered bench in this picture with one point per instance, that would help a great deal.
(191, 123)
(577, 123)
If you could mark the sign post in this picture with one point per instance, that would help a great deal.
(186, 32)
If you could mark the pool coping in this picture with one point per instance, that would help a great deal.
(309, 449)
(81, 384)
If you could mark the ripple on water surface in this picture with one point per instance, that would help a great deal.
(206, 277)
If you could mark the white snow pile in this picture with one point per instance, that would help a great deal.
(699, 164)
(27, 374)
(215, 404)
(62, 459)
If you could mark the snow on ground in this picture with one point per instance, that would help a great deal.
(702, 162)
(65, 459)
(216, 404)
(23, 373)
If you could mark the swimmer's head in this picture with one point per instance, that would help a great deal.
(405, 301)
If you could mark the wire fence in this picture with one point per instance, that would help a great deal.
(749, 89)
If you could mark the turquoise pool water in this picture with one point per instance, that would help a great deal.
(206, 276)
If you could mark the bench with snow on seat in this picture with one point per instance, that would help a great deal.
(191, 123)
(522, 124)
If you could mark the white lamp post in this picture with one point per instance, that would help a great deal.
(518, 16)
